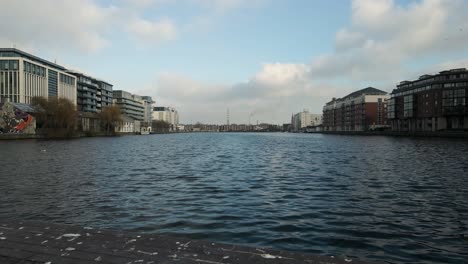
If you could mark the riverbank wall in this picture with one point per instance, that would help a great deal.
(439, 134)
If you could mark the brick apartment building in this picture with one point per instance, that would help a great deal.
(362, 110)
(431, 103)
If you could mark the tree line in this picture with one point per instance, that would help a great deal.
(58, 118)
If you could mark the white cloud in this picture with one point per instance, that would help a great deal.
(145, 3)
(152, 32)
(381, 41)
(384, 37)
(55, 24)
(271, 95)
(221, 6)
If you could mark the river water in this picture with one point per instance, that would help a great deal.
(384, 199)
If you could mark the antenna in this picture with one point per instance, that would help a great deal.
(227, 117)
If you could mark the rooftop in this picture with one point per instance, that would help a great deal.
(78, 73)
(13, 52)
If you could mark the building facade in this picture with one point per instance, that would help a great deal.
(24, 76)
(305, 119)
(132, 105)
(92, 94)
(167, 114)
(148, 106)
(431, 103)
(362, 110)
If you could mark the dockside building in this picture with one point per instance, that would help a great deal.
(362, 110)
(166, 114)
(133, 106)
(305, 119)
(431, 103)
(24, 76)
(92, 94)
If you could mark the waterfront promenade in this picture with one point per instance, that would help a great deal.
(31, 242)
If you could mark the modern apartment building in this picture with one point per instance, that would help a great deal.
(305, 119)
(431, 103)
(24, 76)
(132, 105)
(92, 94)
(362, 110)
(167, 114)
(148, 106)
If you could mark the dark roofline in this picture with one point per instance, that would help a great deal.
(77, 73)
(365, 91)
(35, 58)
(427, 76)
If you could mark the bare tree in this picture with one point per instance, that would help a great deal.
(56, 117)
(160, 126)
(109, 117)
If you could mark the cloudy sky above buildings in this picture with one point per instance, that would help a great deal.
(263, 59)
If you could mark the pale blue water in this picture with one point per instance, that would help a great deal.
(396, 200)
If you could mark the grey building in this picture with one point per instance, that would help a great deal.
(148, 105)
(92, 94)
(134, 106)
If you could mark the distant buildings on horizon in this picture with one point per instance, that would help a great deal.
(303, 120)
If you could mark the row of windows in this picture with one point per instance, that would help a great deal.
(9, 85)
(452, 85)
(429, 87)
(408, 106)
(8, 65)
(34, 69)
(452, 102)
(437, 78)
(391, 108)
(453, 98)
(67, 79)
(85, 80)
(53, 83)
(454, 93)
(106, 86)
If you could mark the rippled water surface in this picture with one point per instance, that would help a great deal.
(386, 199)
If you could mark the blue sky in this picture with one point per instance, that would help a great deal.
(265, 58)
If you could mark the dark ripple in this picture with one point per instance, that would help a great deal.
(394, 200)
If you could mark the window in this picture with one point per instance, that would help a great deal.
(14, 65)
(408, 106)
(454, 98)
(5, 66)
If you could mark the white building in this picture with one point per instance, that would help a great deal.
(135, 106)
(305, 119)
(167, 114)
(24, 76)
(126, 125)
